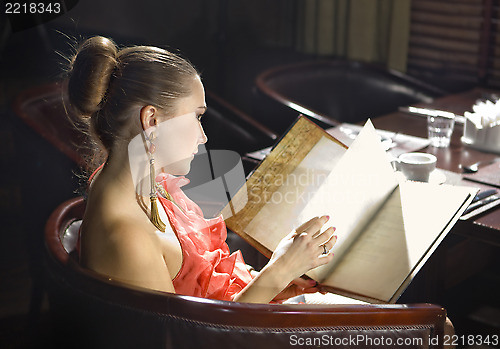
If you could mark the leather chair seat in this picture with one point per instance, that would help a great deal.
(334, 91)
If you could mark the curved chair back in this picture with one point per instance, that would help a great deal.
(91, 311)
(335, 91)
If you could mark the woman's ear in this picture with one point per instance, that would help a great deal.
(149, 117)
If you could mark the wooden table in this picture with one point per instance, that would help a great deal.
(478, 238)
(487, 226)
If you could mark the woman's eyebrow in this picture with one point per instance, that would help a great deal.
(204, 107)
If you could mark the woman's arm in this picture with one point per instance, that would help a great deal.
(295, 255)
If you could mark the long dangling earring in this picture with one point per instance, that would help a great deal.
(155, 216)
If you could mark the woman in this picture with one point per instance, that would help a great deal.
(148, 98)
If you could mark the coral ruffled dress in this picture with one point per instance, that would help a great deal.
(208, 269)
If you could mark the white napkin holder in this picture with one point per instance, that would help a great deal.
(486, 138)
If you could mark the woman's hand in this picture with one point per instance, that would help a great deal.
(302, 249)
(296, 288)
(299, 252)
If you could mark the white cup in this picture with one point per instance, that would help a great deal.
(416, 166)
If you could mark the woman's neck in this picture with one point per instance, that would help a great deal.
(116, 172)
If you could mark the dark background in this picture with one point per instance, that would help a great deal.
(229, 42)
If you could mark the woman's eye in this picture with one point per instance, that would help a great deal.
(199, 117)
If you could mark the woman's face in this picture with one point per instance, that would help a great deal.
(178, 137)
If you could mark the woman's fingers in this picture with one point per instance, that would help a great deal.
(316, 225)
(312, 226)
(331, 242)
(304, 283)
(298, 252)
(291, 235)
(327, 246)
(311, 231)
(325, 236)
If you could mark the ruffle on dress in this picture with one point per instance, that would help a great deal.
(208, 269)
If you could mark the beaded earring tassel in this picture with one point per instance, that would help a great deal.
(155, 215)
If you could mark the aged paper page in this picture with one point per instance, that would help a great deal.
(282, 185)
(397, 238)
(280, 214)
(353, 192)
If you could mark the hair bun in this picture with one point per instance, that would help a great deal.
(90, 72)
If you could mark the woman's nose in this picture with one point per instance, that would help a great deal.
(203, 136)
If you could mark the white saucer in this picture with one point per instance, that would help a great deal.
(436, 177)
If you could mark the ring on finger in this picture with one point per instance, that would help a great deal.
(325, 250)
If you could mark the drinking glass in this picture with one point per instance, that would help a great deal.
(439, 130)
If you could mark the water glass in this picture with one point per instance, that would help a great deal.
(439, 130)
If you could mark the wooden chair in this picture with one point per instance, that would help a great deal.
(334, 91)
(91, 311)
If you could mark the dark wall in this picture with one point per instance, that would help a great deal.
(214, 34)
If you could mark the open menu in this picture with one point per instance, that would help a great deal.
(386, 228)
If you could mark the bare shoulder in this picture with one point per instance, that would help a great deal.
(119, 241)
(128, 235)
(129, 244)
(130, 253)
